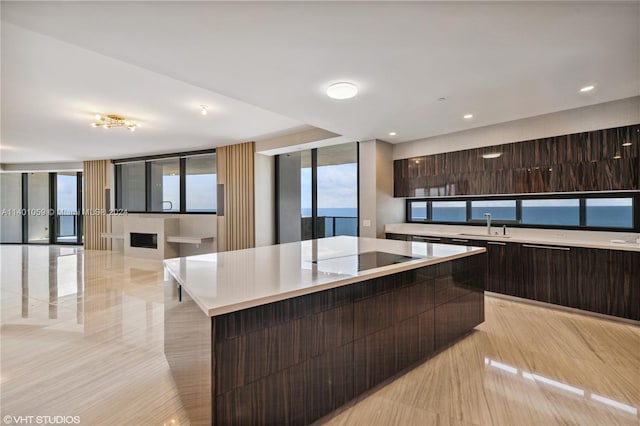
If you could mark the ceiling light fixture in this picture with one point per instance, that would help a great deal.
(617, 157)
(587, 88)
(392, 133)
(468, 116)
(113, 120)
(492, 155)
(627, 144)
(342, 90)
(203, 109)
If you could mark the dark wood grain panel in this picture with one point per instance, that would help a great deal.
(294, 361)
(587, 161)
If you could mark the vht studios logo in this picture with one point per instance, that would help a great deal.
(40, 420)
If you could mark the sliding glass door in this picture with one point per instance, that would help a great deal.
(317, 193)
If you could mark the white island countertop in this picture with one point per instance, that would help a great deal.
(225, 282)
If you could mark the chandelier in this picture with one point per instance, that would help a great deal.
(114, 121)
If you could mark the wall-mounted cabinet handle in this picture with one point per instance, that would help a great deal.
(496, 243)
(458, 240)
(546, 247)
(417, 238)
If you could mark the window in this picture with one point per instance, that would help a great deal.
(499, 209)
(449, 211)
(593, 211)
(183, 183)
(131, 193)
(610, 212)
(317, 193)
(165, 185)
(418, 211)
(551, 212)
(201, 183)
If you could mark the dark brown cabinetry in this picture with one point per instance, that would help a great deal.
(596, 280)
(601, 160)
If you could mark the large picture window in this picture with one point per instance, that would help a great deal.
(180, 183)
(317, 193)
(593, 211)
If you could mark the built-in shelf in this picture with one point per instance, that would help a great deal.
(188, 240)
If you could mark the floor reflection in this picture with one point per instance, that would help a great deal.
(82, 334)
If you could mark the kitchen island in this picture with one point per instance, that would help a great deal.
(286, 334)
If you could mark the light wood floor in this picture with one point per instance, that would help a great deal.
(82, 335)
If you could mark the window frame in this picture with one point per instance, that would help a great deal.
(582, 196)
(182, 157)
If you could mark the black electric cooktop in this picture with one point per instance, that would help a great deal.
(373, 259)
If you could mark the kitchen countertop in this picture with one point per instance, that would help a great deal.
(569, 238)
(225, 282)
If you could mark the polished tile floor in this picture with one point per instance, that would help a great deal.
(82, 335)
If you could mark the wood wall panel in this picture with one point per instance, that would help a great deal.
(96, 181)
(585, 161)
(236, 172)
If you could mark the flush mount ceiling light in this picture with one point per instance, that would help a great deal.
(392, 133)
(492, 155)
(468, 116)
(342, 90)
(587, 88)
(115, 121)
(204, 109)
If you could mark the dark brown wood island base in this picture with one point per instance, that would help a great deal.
(296, 360)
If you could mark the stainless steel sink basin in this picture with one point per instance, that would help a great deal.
(484, 235)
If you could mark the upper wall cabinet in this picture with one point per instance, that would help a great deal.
(601, 160)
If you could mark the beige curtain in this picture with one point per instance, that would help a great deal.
(236, 227)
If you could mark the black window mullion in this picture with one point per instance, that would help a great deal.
(25, 206)
(314, 193)
(80, 206)
(183, 185)
(518, 210)
(468, 211)
(583, 212)
(429, 211)
(53, 207)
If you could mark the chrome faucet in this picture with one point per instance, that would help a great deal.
(488, 216)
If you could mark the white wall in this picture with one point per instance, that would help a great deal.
(10, 206)
(601, 116)
(389, 209)
(368, 211)
(265, 233)
(377, 204)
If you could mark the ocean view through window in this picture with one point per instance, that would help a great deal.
(595, 211)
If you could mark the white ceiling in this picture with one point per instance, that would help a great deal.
(500, 61)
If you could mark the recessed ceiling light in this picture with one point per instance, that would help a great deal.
(587, 88)
(627, 144)
(492, 155)
(342, 90)
(468, 116)
(203, 109)
(392, 133)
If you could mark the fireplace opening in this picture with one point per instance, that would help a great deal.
(144, 240)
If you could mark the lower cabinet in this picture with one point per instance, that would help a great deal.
(596, 280)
